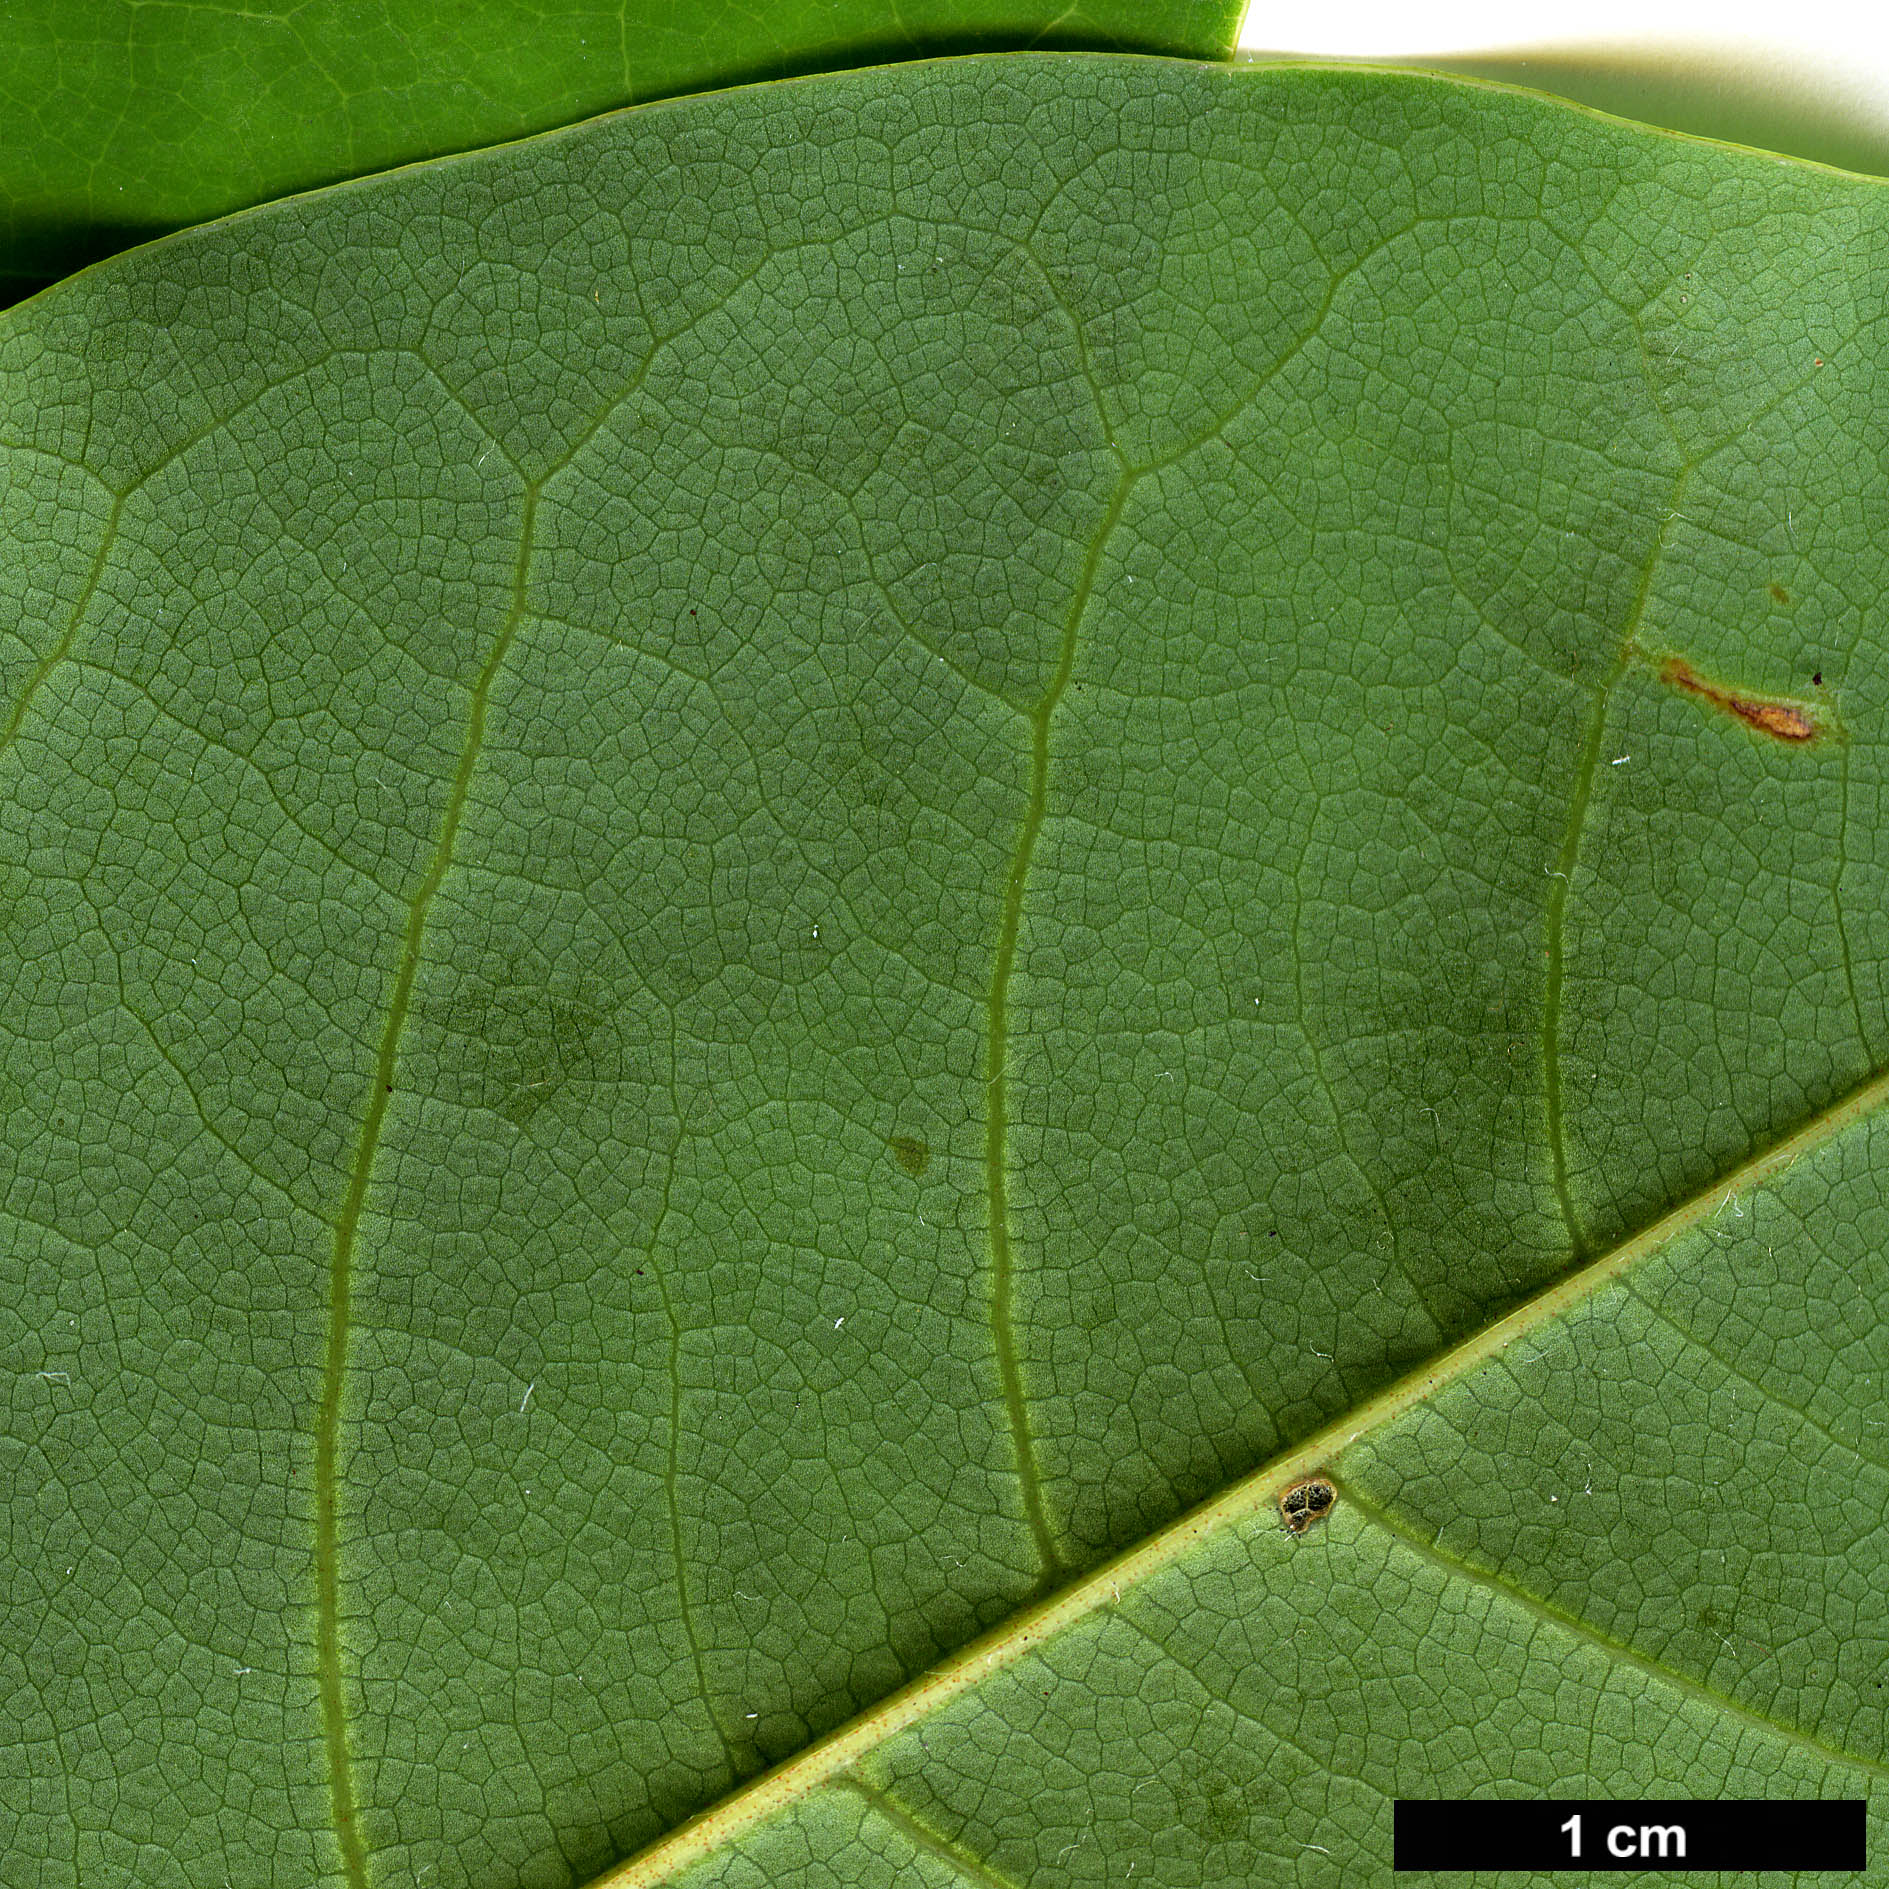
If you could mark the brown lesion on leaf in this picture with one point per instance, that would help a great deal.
(1794, 722)
(913, 1155)
(1306, 1502)
(1779, 594)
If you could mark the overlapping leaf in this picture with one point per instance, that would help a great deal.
(119, 122)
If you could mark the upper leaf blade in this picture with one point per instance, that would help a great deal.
(119, 124)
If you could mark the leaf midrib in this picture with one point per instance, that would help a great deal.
(823, 1761)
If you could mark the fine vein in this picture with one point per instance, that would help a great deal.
(1836, 903)
(925, 1839)
(63, 648)
(109, 534)
(1254, 1494)
(1314, 1041)
(1561, 877)
(996, 1116)
(334, 1370)
(672, 1467)
(1617, 1650)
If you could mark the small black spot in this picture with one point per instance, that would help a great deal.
(913, 1155)
(1818, 678)
(1305, 1503)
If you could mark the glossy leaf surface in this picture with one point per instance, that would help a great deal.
(769, 868)
(121, 121)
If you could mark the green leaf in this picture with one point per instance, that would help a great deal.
(121, 122)
(772, 868)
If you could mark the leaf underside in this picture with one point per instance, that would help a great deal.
(772, 867)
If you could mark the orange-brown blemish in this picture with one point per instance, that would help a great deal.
(1783, 721)
(1779, 594)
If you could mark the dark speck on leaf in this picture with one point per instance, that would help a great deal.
(913, 1155)
(1305, 1502)
(1779, 594)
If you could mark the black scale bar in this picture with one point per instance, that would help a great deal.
(1595, 1834)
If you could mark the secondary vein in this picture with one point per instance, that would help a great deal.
(1836, 903)
(672, 1466)
(334, 1369)
(1554, 922)
(996, 1114)
(347, 1224)
(109, 535)
(63, 648)
(924, 1838)
(1614, 1649)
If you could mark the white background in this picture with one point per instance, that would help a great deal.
(1806, 76)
